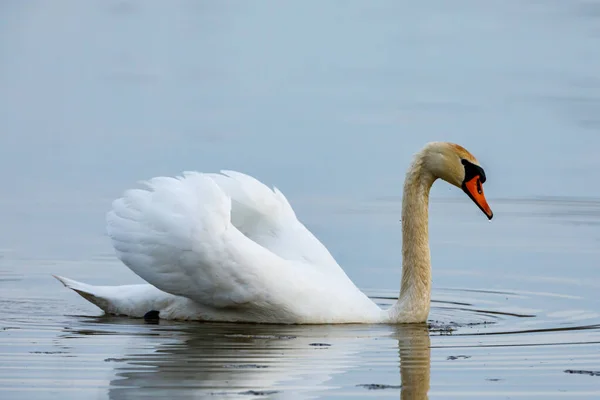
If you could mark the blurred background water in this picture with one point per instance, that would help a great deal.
(327, 101)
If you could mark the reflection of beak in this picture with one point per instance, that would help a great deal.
(474, 189)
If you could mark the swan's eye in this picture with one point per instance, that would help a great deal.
(478, 186)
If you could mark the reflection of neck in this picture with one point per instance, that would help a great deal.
(415, 355)
(415, 287)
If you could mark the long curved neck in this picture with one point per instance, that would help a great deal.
(415, 287)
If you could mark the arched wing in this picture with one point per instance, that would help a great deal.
(177, 235)
(266, 217)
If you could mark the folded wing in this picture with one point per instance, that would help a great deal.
(220, 240)
(177, 235)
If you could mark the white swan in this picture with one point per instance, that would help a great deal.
(224, 247)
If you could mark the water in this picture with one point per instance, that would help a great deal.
(327, 101)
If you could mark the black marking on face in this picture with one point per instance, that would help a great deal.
(471, 171)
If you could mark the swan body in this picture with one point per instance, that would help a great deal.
(225, 247)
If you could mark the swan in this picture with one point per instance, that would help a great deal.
(225, 247)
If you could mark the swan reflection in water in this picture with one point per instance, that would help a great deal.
(242, 361)
(414, 346)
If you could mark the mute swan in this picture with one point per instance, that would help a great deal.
(224, 247)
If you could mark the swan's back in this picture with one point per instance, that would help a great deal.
(229, 243)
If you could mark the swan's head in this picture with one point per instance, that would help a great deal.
(455, 165)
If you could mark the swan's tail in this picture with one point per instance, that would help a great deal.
(93, 294)
(131, 300)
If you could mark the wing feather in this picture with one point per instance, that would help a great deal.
(266, 217)
(177, 235)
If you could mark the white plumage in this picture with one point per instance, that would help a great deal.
(232, 246)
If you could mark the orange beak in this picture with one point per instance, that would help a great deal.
(474, 189)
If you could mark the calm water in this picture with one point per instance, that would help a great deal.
(327, 101)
